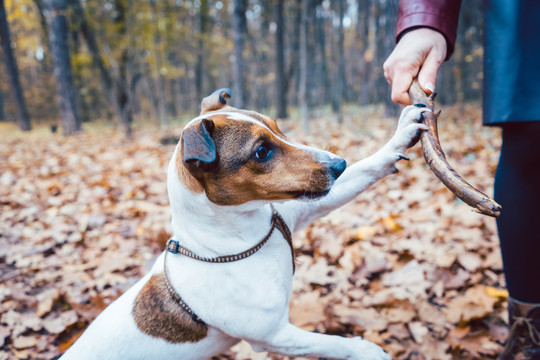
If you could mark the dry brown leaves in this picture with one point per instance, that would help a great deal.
(405, 265)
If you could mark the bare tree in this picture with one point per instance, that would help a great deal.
(364, 54)
(340, 83)
(324, 92)
(66, 95)
(199, 67)
(13, 72)
(113, 88)
(239, 31)
(293, 78)
(387, 17)
(281, 86)
(302, 91)
(162, 113)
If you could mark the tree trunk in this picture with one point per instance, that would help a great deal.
(281, 87)
(44, 32)
(2, 115)
(293, 78)
(387, 17)
(65, 90)
(119, 90)
(13, 72)
(239, 31)
(321, 40)
(199, 67)
(340, 83)
(78, 80)
(90, 39)
(262, 59)
(162, 112)
(365, 58)
(302, 91)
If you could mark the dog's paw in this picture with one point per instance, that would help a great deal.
(409, 128)
(368, 350)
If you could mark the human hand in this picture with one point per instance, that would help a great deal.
(419, 52)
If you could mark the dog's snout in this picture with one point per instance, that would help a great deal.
(337, 166)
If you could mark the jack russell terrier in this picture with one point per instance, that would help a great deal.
(236, 186)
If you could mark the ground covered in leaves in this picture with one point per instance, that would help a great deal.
(405, 265)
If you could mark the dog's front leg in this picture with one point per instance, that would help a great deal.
(292, 341)
(364, 173)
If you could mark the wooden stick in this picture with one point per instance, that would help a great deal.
(435, 158)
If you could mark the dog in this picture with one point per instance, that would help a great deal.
(237, 188)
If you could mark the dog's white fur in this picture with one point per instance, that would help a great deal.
(247, 299)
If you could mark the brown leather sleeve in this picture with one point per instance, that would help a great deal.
(441, 15)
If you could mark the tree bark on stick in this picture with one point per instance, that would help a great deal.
(435, 158)
(65, 89)
(12, 69)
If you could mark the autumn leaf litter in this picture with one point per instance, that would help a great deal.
(405, 265)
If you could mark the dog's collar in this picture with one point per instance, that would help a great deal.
(174, 247)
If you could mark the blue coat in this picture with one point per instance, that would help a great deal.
(511, 61)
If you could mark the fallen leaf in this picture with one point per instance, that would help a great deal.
(46, 300)
(364, 318)
(23, 342)
(398, 331)
(364, 232)
(390, 224)
(418, 331)
(470, 261)
(4, 333)
(307, 311)
(473, 304)
(497, 293)
(457, 280)
(56, 325)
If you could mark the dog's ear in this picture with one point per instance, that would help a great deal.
(198, 148)
(217, 100)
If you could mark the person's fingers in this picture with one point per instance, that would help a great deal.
(400, 88)
(427, 77)
(397, 94)
(388, 68)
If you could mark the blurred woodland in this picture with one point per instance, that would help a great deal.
(74, 61)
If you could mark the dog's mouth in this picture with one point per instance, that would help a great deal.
(309, 195)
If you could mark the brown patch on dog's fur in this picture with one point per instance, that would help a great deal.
(157, 314)
(239, 178)
(184, 175)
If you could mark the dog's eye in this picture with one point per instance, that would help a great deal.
(262, 152)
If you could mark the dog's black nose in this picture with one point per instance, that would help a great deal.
(338, 166)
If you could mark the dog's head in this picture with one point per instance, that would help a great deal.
(235, 156)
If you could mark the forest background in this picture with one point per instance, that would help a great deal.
(82, 217)
(154, 61)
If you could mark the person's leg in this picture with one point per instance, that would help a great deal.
(517, 189)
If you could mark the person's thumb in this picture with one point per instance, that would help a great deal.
(427, 76)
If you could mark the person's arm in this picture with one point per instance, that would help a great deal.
(426, 33)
